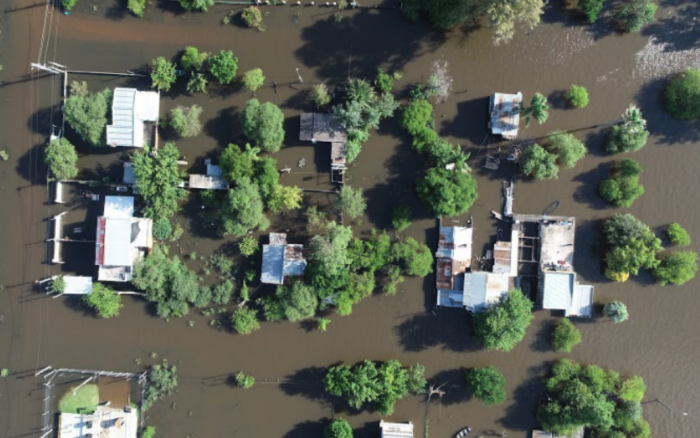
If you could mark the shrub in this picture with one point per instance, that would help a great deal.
(338, 428)
(192, 59)
(252, 17)
(591, 8)
(447, 192)
(678, 235)
(244, 381)
(185, 120)
(677, 268)
(262, 123)
(248, 245)
(322, 324)
(223, 66)
(4, 372)
(253, 79)
(87, 115)
(68, 4)
(196, 5)
(682, 95)
(384, 81)
(245, 320)
(161, 381)
(616, 311)
(565, 336)
(103, 300)
(319, 95)
(149, 432)
(632, 15)
(79, 89)
(163, 74)
(568, 149)
(633, 389)
(487, 384)
(401, 217)
(197, 83)
(162, 229)
(417, 116)
(503, 325)
(536, 162)
(623, 187)
(136, 6)
(61, 158)
(350, 201)
(577, 96)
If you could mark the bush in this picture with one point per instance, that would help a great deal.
(103, 300)
(487, 384)
(149, 432)
(633, 389)
(248, 245)
(68, 4)
(197, 5)
(678, 268)
(61, 158)
(678, 235)
(417, 116)
(244, 381)
(565, 336)
(163, 74)
(401, 217)
(384, 81)
(87, 115)
(591, 8)
(623, 187)
(192, 59)
(536, 162)
(136, 6)
(319, 95)
(350, 201)
(252, 17)
(185, 120)
(632, 15)
(223, 66)
(262, 123)
(616, 311)
(197, 83)
(162, 229)
(577, 96)
(338, 428)
(447, 192)
(503, 325)
(245, 320)
(161, 381)
(568, 149)
(253, 79)
(682, 95)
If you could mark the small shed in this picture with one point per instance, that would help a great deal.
(76, 285)
(396, 430)
(504, 110)
(281, 260)
(454, 257)
(134, 117)
(320, 127)
(211, 181)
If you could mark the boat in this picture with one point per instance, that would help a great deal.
(497, 215)
(464, 432)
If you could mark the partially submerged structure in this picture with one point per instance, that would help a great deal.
(105, 422)
(134, 118)
(281, 260)
(454, 257)
(77, 285)
(396, 430)
(211, 181)
(324, 128)
(122, 239)
(504, 111)
(578, 433)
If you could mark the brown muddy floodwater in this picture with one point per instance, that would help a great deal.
(660, 342)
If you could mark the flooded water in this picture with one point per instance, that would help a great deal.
(659, 342)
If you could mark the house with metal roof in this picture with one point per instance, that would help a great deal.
(396, 430)
(504, 111)
(281, 260)
(213, 180)
(134, 118)
(324, 128)
(77, 285)
(454, 257)
(484, 289)
(122, 239)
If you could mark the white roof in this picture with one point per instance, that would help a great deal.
(558, 290)
(484, 289)
(77, 285)
(117, 247)
(581, 301)
(104, 423)
(505, 114)
(130, 109)
(396, 430)
(119, 206)
(455, 243)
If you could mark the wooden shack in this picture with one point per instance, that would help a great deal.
(324, 128)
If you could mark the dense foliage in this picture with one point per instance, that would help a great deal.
(320, 96)
(631, 246)
(244, 381)
(149, 432)
(503, 325)
(298, 301)
(136, 6)
(350, 201)
(87, 115)
(223, 66)
(381, 385)
(629, 136)
(68, 4)
(677, 268)
(447, 192)
(565, 336)
(568, 149)
(536, 162)
(678, 235)
(161, 381)
(262, 123)
(577, 96)
(197, 5)
(103, 301)
(252, 17)
(591, 8)
(162, 74)
(632, 15)
(185, 120)
(538, 109)
(236, 211)
(682, 95)
(157, 180)
(616, 311)
(593, 398)
(61, 158)
(245, 320)
(338, 428)
(193, 59)
(623, 187)
(417, 119)
(400, 217)
(487, 384)
(162, 229)
(253, 79)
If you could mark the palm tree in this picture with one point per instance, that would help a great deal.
(360, 91)
(632, 119)
(538, 109)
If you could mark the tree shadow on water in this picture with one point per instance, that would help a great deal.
(587, 191)
(675, 30)
(223, 127)
(308, 383)
(589, 250)
(542, 341)
(455, 386)
(471, 121)
(663, 127)
(306, 429)
(449, 328)
(520, 414)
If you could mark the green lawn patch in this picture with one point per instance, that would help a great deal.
(84, 401)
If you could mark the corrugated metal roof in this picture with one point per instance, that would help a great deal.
(77, 285)
(272, 264)
(582, 301)
(294, 263)
(130, 109)
(396, 430)
(119, 206)
(505, 114)
(117, 247)
(558, 290)
(475, 291)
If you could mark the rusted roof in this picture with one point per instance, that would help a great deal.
(322, 128)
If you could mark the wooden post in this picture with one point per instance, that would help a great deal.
(82, 384)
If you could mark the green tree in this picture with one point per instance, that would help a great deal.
(192, 59)
(137, 7)
(400, 217)
(197, 83)
(162, 74)
(487, 384)
(262, 123)
(161, 381)
(240, 210)
(237, 163)
(322, 324)
(248, 246)
(591, 8)
(568, 149)
(338, 428)
(503, 16)
(447, 192)
(632, 246)
(623, 228)
(350, 201)
(298, 300)
(197, 5)
(503, 325)
(61, 158)
(536, 162)
(413, 257)
(68, 4)
(577, 96)
(245, 320)
(682, 95)
(629, 136)
(633, 389)
(253, 79)
(623, 187)
(320, 96)
(103, 301)
(223, 66)
(87, 115)
(252, 17)
(632, 15)
(565, 336)
(678, 235)
(417, 119)
(244, 381)
(162, 229)
(384, 82)
(185, 120)
(538, 109)
(149, 432)
(616, 311)
(677, 268)
(157, 179)
(289, 197)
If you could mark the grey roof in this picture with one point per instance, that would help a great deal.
(581, 301)
(272, 264)
(129, 175)
(475, 291)
(77, 285)
(558, 290)
(119, 206)
(117, 247)
(321, 127)
(130, 109)
(396, 430)
(207, 182)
